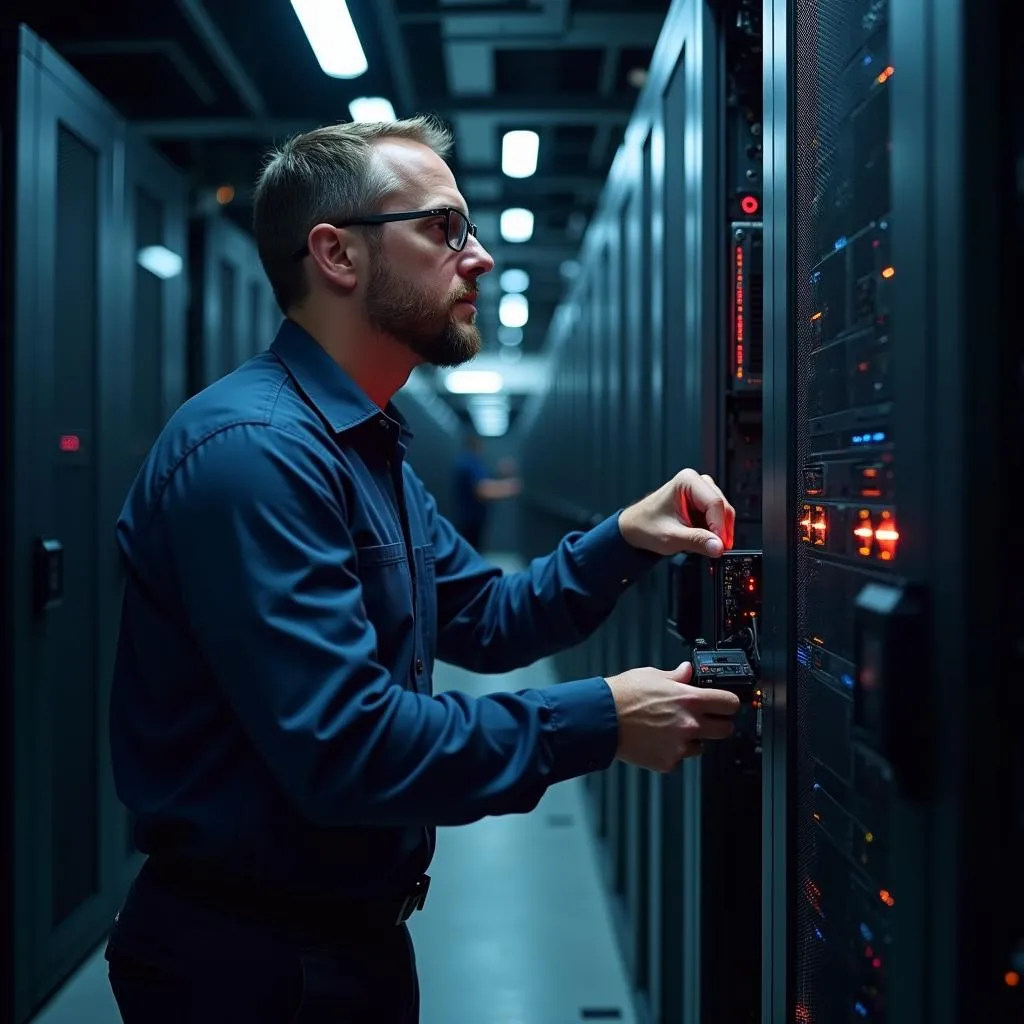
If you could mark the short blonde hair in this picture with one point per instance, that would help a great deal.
(325, 176)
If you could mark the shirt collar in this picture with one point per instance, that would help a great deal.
(331, 391)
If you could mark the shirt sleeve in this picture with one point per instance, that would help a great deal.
(256, 527)
(492, 622)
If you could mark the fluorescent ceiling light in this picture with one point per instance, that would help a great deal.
(490, 416)
(510, 336)
(332, 36)
(514, 280)
(517, 225)
(160, 262)
(519, 153)
(372, 109)
(474, 382)
(513, 310)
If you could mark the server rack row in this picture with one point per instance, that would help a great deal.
(875, 252)
(117, 306)
(94, 231)
(657, 365)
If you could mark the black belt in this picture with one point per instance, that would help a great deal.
(219, 890)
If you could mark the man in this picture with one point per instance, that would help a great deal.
(289, 585)
(475, 489)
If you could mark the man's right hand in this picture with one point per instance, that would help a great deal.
(662, 719)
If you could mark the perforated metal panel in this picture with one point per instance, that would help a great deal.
(847, 523)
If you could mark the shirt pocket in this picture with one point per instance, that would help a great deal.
(387, 597)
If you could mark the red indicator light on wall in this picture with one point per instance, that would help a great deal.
(69, 443)
(750, 205)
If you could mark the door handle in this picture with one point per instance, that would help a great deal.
(47, 574)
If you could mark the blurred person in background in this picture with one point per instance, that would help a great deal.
(476, 488)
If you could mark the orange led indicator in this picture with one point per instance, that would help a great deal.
(1012, 979)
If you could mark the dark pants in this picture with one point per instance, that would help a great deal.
(172, 961)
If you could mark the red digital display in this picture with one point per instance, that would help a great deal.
(739, 314)
(69, 443)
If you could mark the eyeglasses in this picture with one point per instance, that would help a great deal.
(457, 226)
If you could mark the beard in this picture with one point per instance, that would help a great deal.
(423, 324)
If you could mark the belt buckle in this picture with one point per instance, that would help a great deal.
(414, 901)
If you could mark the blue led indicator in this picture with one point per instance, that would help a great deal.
(856, 439)
(840, 242)
(817, 932)
(879, 436)
(861, 1009)
(867, 59)
(847, 680)
(866, 932)
(884, 225)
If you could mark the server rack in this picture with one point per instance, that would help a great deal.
(887, 795)
(97, 355)
(233, 313)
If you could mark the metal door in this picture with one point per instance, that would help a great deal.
(65, 461)
(233, 289)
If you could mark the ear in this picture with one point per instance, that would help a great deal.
(337, 254)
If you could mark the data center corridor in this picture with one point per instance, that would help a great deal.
(518, 926)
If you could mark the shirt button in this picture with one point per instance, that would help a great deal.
(383, 423)
(419, 666)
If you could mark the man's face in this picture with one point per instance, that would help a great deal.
(420, 291)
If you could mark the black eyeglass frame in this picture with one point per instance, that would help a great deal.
(387, 218)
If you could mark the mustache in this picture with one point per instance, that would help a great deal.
(469, 296)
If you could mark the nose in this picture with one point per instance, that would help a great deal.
(476, 260)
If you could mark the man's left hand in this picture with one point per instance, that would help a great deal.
(689, 513)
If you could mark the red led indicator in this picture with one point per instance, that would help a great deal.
(69, 443)
(750, 205)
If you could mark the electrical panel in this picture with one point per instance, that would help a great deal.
(847, 519)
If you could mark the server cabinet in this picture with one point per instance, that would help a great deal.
(721, 798)
(78, 341)
(233, 314)
(893, 766)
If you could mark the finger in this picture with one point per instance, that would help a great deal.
(682, 673)
(702, 496)
(700, 542)
(717, 702)
(716, 728)
(729, 531)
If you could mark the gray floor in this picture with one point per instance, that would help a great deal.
(517, 929)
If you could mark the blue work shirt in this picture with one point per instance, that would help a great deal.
(289, 585)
